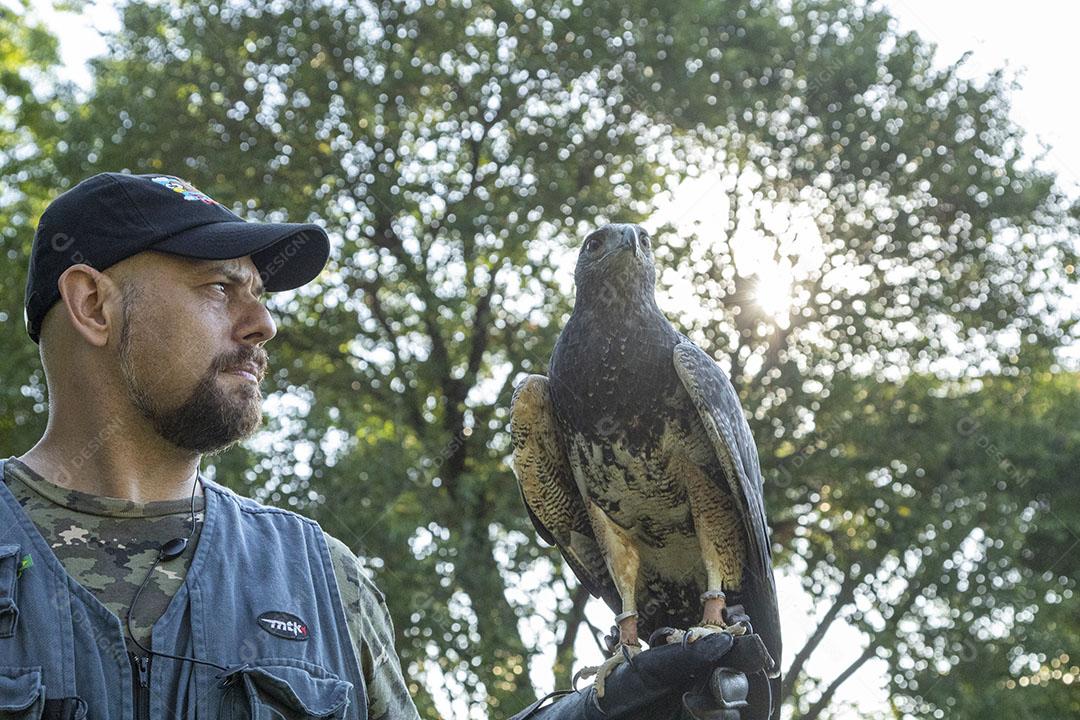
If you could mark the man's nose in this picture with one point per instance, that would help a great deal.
(257, 325)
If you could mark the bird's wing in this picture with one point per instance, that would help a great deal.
(722, 415)
(552, 500)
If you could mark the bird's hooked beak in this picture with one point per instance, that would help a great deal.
(634, 242)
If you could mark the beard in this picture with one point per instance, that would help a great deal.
(212, 418)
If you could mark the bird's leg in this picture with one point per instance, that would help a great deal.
(715, 601)
(626, 625)
(623, 563)
(712, 620)
(723, 551)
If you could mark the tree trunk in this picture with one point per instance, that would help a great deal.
(500, 644)
(564, 652)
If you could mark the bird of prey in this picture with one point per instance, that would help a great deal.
(635, 459)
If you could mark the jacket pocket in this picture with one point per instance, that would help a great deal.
(9, 571)
(284, 689)
(22, 696)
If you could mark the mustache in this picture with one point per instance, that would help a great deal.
(242, 356)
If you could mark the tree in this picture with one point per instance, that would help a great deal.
(28, 57)
(888, 205)
(942, 525)
(456, 151)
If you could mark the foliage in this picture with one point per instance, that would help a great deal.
(939, 521)
(28, 55)
(872, 222)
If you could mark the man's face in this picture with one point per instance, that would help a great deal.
(190, 348)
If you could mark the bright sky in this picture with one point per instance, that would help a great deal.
(1036, 38)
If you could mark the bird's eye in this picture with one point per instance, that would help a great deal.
(645, 239)
(592, 244)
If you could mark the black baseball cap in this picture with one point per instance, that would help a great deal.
(112, 216)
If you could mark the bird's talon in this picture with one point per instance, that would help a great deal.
(584, 674)
(699, 631)
(611, 640)
(665, 636)
(671, 636)
(625, 653)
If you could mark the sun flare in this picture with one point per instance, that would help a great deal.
(773, 291)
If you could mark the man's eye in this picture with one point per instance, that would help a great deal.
(221, 285)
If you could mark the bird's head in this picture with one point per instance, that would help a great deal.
(616, 265)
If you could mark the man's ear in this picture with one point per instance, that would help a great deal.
(92, 302)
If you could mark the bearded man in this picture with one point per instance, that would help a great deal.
(146, 298)
(131, 585)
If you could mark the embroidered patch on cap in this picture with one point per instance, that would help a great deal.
(283, 625)
(186, 189)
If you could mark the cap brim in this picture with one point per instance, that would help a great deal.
(287, 255)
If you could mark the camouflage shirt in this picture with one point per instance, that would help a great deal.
(108, 545)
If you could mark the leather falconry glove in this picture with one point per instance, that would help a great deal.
(702, 680)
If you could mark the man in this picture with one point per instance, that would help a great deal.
(131, 586)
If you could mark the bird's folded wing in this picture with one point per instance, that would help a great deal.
(552, 500)
(722, 415)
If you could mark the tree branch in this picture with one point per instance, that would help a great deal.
(826, 697)
(596, 633)
(843, 597)
(375, 306)
(914, 589)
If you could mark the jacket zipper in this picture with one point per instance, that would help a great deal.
(141, 665)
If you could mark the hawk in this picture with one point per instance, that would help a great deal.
(634, 458)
